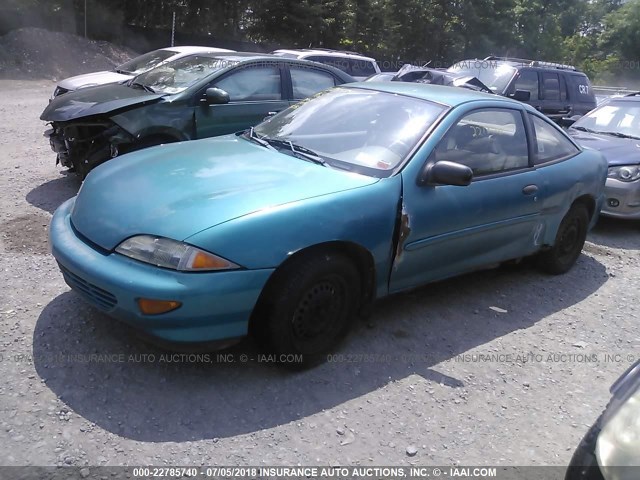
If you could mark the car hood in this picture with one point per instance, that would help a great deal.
(97, 100)
(617, 151)
(90, 79)
(177, 190)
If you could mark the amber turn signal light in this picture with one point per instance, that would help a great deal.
(149, 306)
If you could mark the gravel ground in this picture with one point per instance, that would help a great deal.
(418, 379)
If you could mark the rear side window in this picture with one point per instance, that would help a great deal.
(306, 82)
(528, 81)
(361, 68)
(551, 86)
(549, 143)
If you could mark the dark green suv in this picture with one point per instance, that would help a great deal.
(555, 89)
(201, 95)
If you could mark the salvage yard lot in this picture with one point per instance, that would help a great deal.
(503, 367)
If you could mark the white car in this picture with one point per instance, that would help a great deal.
(356, 65)
(130, 69)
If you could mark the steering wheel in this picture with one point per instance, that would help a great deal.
(479, 131)
(385, 134)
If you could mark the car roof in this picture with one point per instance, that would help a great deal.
(232, 58)
(328, 53)
(450, 96)
(250, 56)
(524, 63)
(195, 49)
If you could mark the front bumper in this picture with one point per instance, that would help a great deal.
(59, 147)
(215, 305)
(622, 199)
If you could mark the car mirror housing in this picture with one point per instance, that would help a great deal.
(446, 173)
(521, 95)
(216, 96)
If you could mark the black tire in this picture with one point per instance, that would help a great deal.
(569, 241)
(310, 306)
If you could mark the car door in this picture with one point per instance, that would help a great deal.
(447, 230)
(255, 90)
(528, 80)
(553, 156)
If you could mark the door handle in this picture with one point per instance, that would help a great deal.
(530, 190)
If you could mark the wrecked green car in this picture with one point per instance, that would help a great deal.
(198, 96)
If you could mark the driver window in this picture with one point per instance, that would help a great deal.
(252, 83)
(488, 141)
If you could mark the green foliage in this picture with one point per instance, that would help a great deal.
(601, 36)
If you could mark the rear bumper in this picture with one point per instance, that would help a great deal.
(215, 305)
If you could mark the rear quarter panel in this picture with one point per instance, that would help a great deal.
(566, 181)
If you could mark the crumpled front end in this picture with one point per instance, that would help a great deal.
(84, 144)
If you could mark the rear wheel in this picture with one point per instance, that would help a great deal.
(310, 307)
(570, 239)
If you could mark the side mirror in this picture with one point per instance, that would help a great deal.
(216, 96)
(521, 95)
(566, 122)
(446, 173)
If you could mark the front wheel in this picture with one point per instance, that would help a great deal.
(570, 239)
(311, 306)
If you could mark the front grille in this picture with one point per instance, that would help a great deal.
(95, 295)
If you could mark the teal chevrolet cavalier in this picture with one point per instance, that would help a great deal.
(293, 228)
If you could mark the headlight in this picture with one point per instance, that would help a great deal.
(167, 253)
(619, 441)
(625, 174)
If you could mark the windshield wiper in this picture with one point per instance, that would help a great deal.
(254, 137)
(584, 129)
(142, 86)
(620, 135)
(298, 150)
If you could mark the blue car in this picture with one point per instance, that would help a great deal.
(292, 229)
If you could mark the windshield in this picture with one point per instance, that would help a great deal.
(177, 76)
(145, 62)
(365, 131)
(613, 117)
(493, 74)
